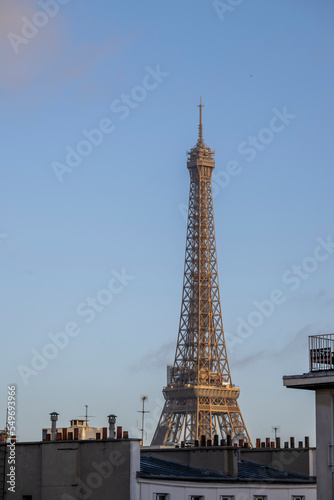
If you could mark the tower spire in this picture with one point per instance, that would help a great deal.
(200, 126)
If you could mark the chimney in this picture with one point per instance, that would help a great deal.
(54, 418)
(112, 422)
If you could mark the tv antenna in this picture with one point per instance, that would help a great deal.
(86, 416)
(143, 411)
(276, 429)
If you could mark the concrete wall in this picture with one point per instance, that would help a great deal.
(297, 460)
(325, 437)
(27, 471)
(180, 490)
(69, 470)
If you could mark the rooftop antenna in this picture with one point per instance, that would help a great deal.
(86, 416)
(276, 429)
(143, 398)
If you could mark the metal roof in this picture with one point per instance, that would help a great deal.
(159, 468)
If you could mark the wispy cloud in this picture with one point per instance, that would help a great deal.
(11, 13)
(89, 55)
(297, 344)
(52, 55)
(321, 297)
(154, 360)
(23, 68)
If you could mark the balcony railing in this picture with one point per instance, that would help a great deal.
(321, 352)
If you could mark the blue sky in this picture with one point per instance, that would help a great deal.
(121, 209)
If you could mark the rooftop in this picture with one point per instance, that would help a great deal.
(158, 468)
(310, 381)
(321, 358)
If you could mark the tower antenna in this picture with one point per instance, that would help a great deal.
(200, 126)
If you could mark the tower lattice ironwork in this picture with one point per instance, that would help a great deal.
(200, 399)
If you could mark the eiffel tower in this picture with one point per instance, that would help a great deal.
(200, 399)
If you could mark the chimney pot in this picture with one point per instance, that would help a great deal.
(112, 422)
(54, 418)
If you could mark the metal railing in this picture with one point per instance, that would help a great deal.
(321, 349)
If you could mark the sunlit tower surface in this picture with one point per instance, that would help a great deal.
(200, 399)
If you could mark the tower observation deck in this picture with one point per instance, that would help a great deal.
(200, 399)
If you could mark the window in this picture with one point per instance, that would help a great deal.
(227, 497)
(196, 497)
(297, 497)
(26, 497)
(260, 497)
(161, 496)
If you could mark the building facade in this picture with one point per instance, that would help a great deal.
(320, 379)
